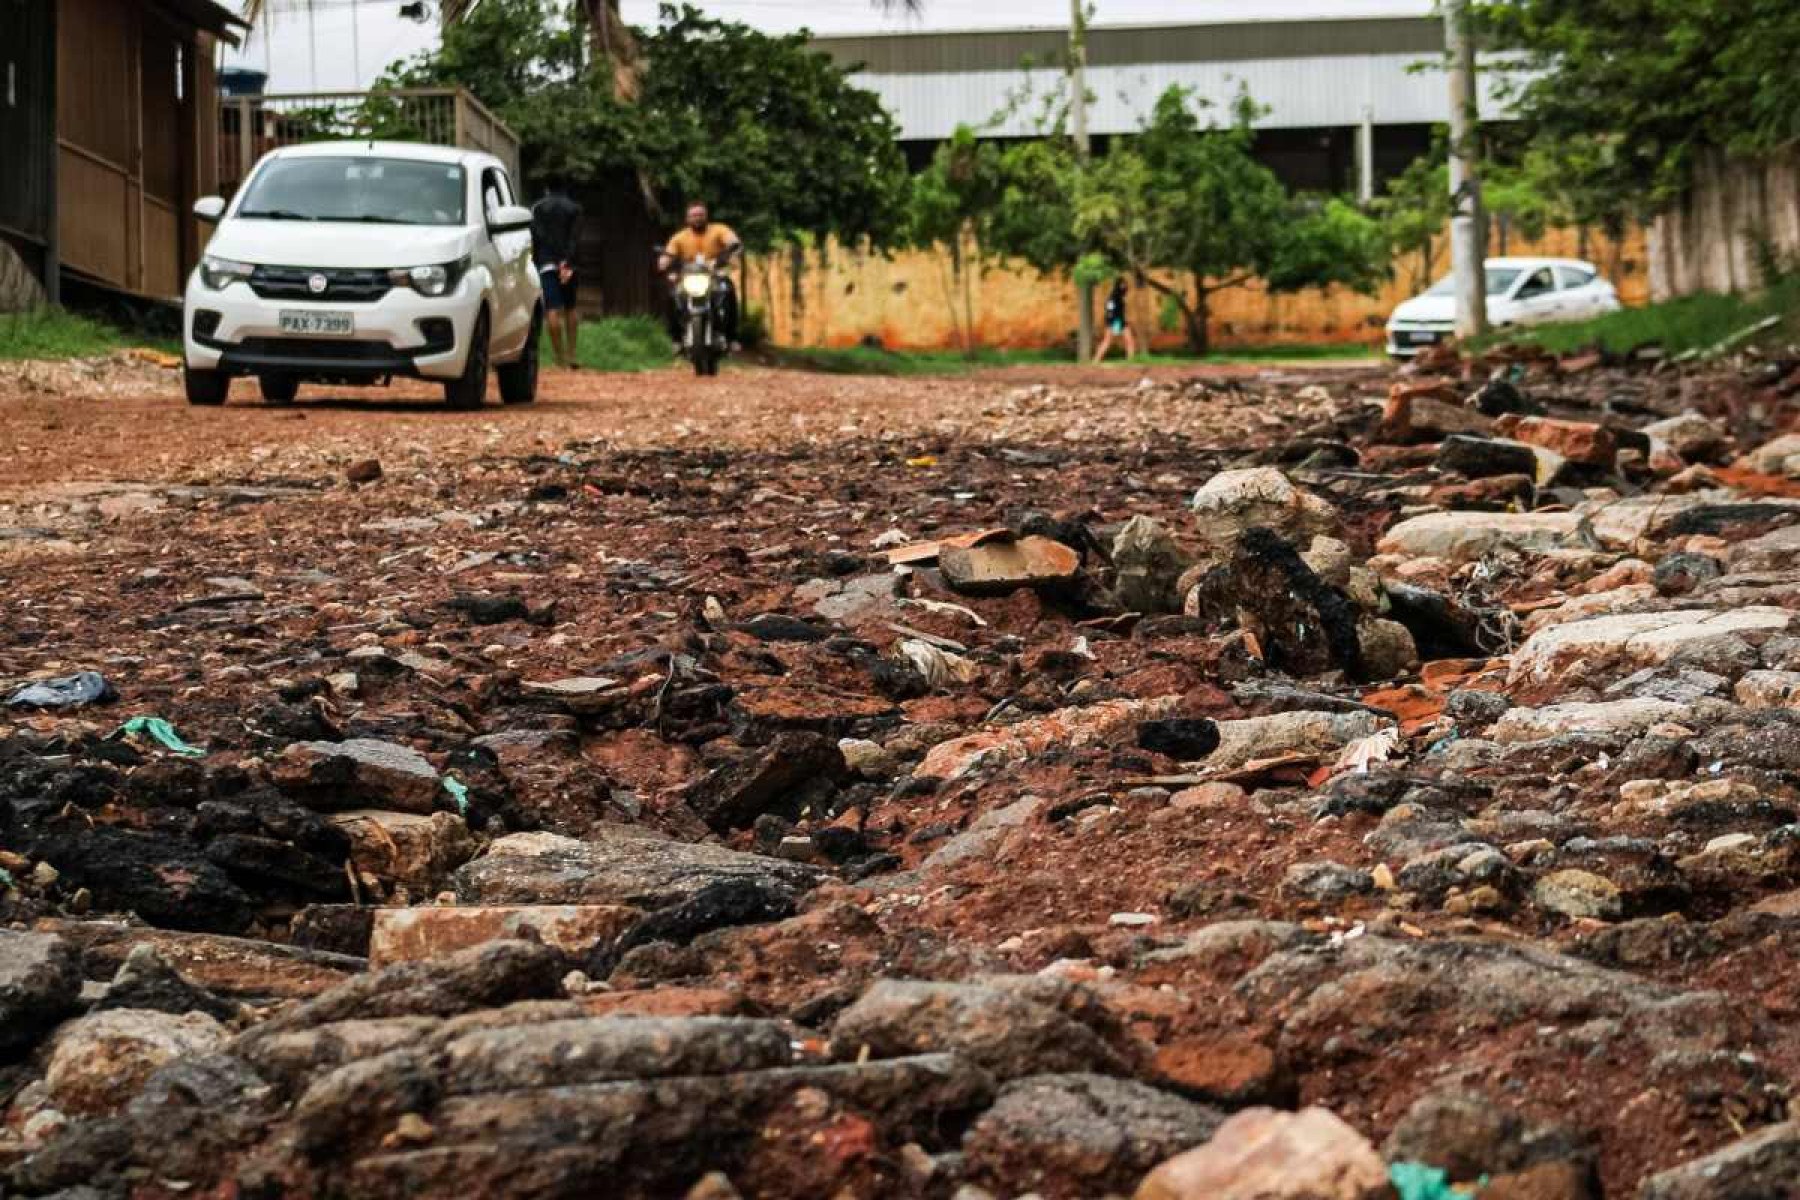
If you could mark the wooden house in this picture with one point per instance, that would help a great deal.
(108, 127)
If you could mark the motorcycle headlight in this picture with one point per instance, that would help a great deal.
(696, 285)
(435, 280)
(221, 273)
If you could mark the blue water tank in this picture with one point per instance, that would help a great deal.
(241, 81)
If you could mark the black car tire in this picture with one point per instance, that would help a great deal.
(470, 389)
(209, 388)
(519, 380)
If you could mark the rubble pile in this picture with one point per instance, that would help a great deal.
(1346, 785)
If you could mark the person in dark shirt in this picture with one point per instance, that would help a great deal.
(555, 235)
(1116, 323)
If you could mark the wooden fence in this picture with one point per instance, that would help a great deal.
(251, 126)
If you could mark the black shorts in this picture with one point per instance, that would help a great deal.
(557, 294)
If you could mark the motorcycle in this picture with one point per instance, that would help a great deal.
(699, 303)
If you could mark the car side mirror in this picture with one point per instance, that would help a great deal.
(210, 209)
(509, 218)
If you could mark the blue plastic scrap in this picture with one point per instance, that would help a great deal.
(67, 691)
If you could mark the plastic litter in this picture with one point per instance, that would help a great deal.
(162, 732)
(66, 691)
(1417, 1181)
(939, 667)
(459, 792)
(1378, 747)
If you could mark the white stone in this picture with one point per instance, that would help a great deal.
(1277, 734)
(1466, 536)
(1612, 716)
(1634, 639)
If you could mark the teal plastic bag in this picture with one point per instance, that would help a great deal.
(163, 732)
(458, 792)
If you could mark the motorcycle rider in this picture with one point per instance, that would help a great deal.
(714, 241)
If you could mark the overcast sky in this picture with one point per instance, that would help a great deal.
(342, 45)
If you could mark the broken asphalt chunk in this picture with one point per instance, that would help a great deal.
(360, 773)
(796, 769)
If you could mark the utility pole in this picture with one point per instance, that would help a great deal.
(356, 81)
(1084, 292)
(312, 41)
(1468, 251)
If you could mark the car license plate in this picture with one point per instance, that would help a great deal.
(1421, 337)
(325, 324)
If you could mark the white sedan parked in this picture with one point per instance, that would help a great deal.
(1520, 291)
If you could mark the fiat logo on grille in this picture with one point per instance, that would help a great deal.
(317, 285)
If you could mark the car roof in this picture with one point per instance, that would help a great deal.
(1527, 262)
(368, 148)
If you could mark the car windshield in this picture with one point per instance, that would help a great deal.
(1499, 281)
(377, 191)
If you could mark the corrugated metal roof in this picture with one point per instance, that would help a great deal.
(1305, 73)
(1191, 14)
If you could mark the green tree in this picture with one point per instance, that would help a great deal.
(950, 206)
(1619, 95)
(1414, 212)
(1033, 213)
(527, 60)
(1181, 201)
(772, 132)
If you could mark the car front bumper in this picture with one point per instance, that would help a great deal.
(1404, 341)
(403, 333)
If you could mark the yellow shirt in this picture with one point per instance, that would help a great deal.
(711, 242)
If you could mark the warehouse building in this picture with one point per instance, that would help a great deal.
(1350, 88)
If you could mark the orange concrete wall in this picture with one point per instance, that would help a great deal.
(904, 300)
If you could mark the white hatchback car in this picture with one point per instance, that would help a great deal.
(1520, 291)
(355, 262)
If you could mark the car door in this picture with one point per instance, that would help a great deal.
(1581, 292)
(512, 268)
(1536, 298)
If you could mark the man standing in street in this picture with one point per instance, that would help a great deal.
(555, 237)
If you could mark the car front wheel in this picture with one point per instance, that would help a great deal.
(205, 387)
(469, 390)
(519, 380)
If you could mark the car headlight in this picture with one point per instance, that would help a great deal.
(435, 280)
(221, 273)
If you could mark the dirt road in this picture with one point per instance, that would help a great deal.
(146, 433)
(998, 781)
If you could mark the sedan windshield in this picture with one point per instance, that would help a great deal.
(381, 191)
(1499, 282)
